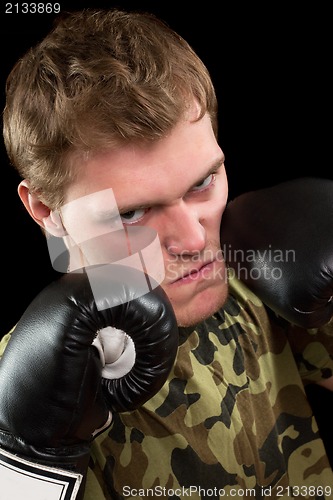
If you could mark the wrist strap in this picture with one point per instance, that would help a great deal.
(20, 478)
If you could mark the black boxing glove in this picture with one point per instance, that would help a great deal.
(53, 398)
(279, 241)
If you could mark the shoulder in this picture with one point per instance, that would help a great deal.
(244, 306)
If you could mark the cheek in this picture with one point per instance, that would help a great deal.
(216, 206)
(211, 220)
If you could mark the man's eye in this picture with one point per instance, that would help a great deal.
(133, 216)
(204, 183)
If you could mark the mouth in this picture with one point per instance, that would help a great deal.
(194, 274)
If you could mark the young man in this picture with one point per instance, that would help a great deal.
(116, 102)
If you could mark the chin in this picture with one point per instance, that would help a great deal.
(201, 306)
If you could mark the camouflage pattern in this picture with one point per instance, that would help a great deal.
(232, 419)
(313, 351)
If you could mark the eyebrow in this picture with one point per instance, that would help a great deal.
(213, 168)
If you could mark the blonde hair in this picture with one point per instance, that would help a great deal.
(99, 79)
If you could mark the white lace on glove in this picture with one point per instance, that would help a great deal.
(116, 350)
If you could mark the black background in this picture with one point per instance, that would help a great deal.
(270, 67)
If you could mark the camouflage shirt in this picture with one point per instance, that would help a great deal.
(231, 421)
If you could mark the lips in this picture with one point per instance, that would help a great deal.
(191, 273)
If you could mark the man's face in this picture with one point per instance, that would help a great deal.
(177, 187)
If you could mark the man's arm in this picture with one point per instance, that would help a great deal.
(57, 393)
(279, 241)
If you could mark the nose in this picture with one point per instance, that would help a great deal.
(183, 231)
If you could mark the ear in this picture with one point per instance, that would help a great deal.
(49, 220)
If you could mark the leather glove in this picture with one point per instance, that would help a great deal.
(53, 397)
(279, 241)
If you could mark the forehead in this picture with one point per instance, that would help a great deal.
(150, 173)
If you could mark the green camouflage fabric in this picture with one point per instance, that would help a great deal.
(313, 351)
(232, 420)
